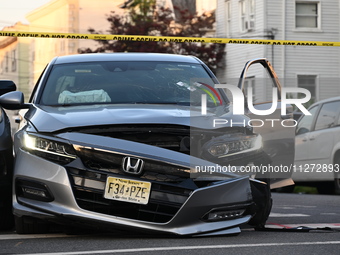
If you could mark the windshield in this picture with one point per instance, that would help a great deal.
(129, 83)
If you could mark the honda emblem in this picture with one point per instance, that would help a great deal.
(132, 165)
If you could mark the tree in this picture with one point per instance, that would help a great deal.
(144, 17)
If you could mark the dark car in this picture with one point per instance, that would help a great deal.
(6, 163)
(129, 140)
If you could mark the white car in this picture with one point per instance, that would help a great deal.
(317, 147)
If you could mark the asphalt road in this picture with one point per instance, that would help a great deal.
(319, 215)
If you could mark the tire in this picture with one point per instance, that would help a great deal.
(337, 185)
(325, 188)
(337, 175)
(6, 216)
(29, 225)
(329, 188)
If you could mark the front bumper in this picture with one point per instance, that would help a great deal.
(184, 207)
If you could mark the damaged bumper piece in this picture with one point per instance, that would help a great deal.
(94, 186)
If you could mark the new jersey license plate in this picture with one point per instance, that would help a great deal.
(127, 190)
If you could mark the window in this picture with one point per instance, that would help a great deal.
(247, 15)
(228, 17)
(308, 82)
(6, 62)
(14, 61)
(130, 82)
(251, 10)
(243, 15)
(328, 116)
(305, 124)
(307, 15)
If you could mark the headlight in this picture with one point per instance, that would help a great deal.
(225, 146)
(54, 150)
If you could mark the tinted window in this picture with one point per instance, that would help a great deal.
(328, 116)
(305, 123)
(129, 83)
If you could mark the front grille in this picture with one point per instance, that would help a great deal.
(111, 162)
(165, 198)
(170, 188)
(171, 137)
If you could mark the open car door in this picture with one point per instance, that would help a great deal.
(277, 129)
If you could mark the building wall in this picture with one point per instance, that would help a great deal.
(277, 19)
(66, 16)
(14, 64)
(56, 16)
(93, 14)
(8, 54)
(238, 54)
(320, 61)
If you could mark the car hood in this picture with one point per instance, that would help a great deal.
(52, 119)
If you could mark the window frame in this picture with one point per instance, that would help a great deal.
(228, 14)
(13, 61)
(247, 17)
(318, 17)
(316, 83)
(6, 62)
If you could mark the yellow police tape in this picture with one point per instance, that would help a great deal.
(144, 38)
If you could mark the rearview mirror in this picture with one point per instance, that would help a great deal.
(13, 100)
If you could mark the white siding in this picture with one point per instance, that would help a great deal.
(275, 16)
(320, 61)
(220, 19)
(288, 61)
(238, 54)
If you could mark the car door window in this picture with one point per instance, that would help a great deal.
(328, 116)
(305, 123)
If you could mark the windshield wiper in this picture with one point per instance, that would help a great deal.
(173, 103)
(115, 103)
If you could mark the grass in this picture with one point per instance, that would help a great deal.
(305, 190)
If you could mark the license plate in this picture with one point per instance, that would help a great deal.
(127, 190)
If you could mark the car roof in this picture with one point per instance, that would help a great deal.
(125, 57)
(325, 101)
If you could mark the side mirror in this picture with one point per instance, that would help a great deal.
(13, 100)
(7, 86)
